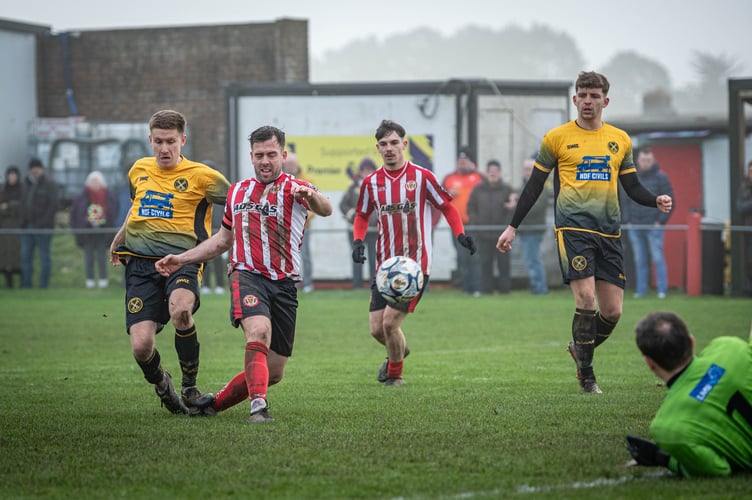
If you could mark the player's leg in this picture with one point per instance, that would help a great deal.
(146, 313)
(376, 318)
(610, 299)
(609, 288)
(583, 332)
(258, 334)
(182, 299)
(142, 336)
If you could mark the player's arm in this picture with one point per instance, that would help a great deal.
(690, 460)
(118, 240)
(634, 188)
(529, 196)
(525, 203)
(454, 219)
(219, 243)
(317, 202)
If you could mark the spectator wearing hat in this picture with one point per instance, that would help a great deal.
(460, 185)
(39, 205)
(347, 207)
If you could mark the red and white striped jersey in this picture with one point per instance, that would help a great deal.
(268, 225)
(402, 200)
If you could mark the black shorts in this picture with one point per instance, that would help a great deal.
(379, 303)
(252, 294)
(147, 291)
(583, 254)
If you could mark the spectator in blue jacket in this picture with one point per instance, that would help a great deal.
(646, 238)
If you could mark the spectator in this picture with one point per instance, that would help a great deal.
(491, 203)
(704, 425)
(38, 209)
(531, 238)
(94, 209)
(460, 184)
(744, 206)
(10, 218)
(347, 207)
(292, 167)
(647, 241)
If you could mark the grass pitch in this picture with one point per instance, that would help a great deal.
(491, 408)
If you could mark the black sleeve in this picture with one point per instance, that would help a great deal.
(637, 191)
(529, 196)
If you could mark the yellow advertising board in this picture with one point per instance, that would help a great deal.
(330, 161)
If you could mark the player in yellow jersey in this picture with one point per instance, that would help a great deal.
(171, 212)
(589, 157)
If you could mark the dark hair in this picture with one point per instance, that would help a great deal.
(265, 133)
(592, 80)
(643, 150)
(12, 169)
(36, 162)
(168, 119)
(493, 162)
(388, 126)
(664, 337)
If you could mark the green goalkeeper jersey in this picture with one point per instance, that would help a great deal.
(705, 422)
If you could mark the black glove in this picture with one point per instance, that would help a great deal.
(359, 252)
(467, 242)
(646, 452)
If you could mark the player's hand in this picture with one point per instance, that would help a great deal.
(664, 203)
(301, 192)
(358, 252)
(167, 265)
(467, 242)
(646, 452)
(504, 244)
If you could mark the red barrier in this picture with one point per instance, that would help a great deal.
(694, 254)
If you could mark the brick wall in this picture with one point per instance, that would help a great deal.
(128, 74)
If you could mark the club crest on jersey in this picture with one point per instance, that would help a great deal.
(135, 305)
(181, 185)
(274, 189)
(613, 147)
(250, 300)
(579, 263)
(393, 208)
(411, 185)
(594, 168)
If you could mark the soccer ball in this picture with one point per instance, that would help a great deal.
(399, 279)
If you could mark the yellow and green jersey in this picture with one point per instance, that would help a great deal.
(172, 208)
(588, 164)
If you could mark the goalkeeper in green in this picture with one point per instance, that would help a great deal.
(704, 426)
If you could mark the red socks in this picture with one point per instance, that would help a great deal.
(256, 369)
(253, 381)
(394, 369)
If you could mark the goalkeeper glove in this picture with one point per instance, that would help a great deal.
(358, 252)
(467, 242)
(646, 452)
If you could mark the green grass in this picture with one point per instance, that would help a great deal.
(491, 408)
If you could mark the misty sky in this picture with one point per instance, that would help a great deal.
(667, 31)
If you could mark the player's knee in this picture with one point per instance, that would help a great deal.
(181, 317)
